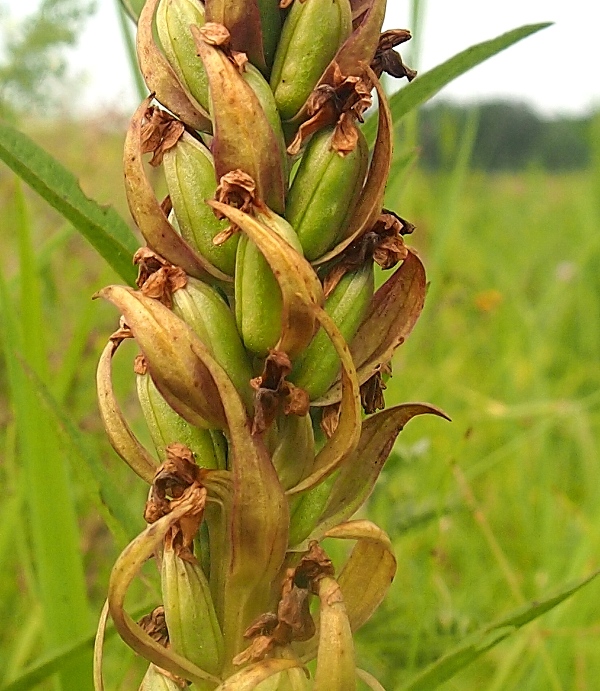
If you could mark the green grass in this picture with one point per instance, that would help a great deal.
(496, 509)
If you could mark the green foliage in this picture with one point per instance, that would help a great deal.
(34, 52)
(510, 136)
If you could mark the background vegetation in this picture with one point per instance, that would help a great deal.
(487, 513)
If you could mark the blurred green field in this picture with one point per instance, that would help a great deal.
(499, 508)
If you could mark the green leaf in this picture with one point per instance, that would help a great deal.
(427, 85)
(486, 638)
(59, 658)
(102, 226)
(112, 503)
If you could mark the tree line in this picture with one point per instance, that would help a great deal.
(510, 136)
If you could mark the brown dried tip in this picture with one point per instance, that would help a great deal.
(330, 419)
(155, 625)
(293, 621)
(122, 333)
(284, 4)
(383, 243)
(236, 189)
(371, 392)
(340, 100)
(178, 479)
(388, 60)
(160, 132)
(140, 366)
(218, 35)
(157, 278)
(274, 394)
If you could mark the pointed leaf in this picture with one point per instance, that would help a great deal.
(371, 199)
(359, 473)
(363, 41)
(365, 577)
(167, 344)
(242, 19)
(148, 213)
(100, 225)
(394, 311)
(126, 568)
(243, 137)
(300, 287)
(369, 680)
(347, 434)
(120, 435)
(425, 86)
(486, 638)
(162, 79)
(336, 669)
(251, 676)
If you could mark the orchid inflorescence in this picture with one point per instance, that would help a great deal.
(264, 346)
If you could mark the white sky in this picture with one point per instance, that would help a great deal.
(555, 70)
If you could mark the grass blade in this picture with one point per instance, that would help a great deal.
(427, 85)
(101, 226)
(51, 513)
(486, 638)
(56, 660)
(114, 506)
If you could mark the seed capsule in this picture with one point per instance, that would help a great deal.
(294, 452)
(271, 23)
(173, 20)
(194, 631)
(205, 311)
(325, 192)
(166, 427)
(312, 33)
(257, 295)
(317, 368)
(190, 176)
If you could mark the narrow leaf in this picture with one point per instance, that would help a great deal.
(486, 638)
(112, 502)
(359, 473)
(425, 86)
(101, 226)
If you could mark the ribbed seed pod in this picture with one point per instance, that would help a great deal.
(271, 21)
(257, 295)
(263, 92)
(325, 191)
(316, 370)
(166, 427)
(312, 33)
(173, 19)
(205, 311)
(194, 631)
(294, 451)
(190, 176)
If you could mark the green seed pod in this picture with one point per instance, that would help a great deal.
(194, 630)
(325, 192)
(205, 311)
(294, 452)
(190, 176)
(154, 680)
(307, 508)
(263, 92)
(312, 33)
(316, 370)
(166, 427)
(173, 20)
(258, 300)
(271, 21)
